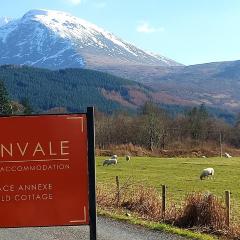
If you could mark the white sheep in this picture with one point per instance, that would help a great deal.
(109, 162)
(227, 155)
(128, 158)
(206, 173)
(114, 156)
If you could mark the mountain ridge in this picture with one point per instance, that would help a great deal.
(54, 39)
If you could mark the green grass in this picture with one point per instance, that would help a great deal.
(181, 175)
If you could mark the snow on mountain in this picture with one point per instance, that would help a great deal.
(4, 20)
(54, 39)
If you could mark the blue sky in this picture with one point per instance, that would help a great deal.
(188, 31)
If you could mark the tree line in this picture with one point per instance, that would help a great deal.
(154, 128)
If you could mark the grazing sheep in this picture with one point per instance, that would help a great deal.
(109, 162)
(128, 158)
(206, 173)
(114, 157)
(227, 155)
(204, 156)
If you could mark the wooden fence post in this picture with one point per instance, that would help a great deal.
(228, 207)
(164, 195)
(117, 191)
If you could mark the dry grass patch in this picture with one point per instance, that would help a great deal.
(201, 212)
(205, 211)
(145, 201)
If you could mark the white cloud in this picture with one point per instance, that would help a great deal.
(74, 2)
(144, 27)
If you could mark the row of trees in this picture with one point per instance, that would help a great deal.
(154, 128)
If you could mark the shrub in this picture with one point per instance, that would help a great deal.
(204, 211)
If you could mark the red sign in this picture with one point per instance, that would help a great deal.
(43, 170)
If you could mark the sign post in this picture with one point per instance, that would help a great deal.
(47, 171)
(92, 172)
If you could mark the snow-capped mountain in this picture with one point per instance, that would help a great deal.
(53, 39)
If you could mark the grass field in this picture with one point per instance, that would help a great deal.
(181, 175)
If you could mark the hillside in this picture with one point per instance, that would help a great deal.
(214, 84)
(74, 89)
